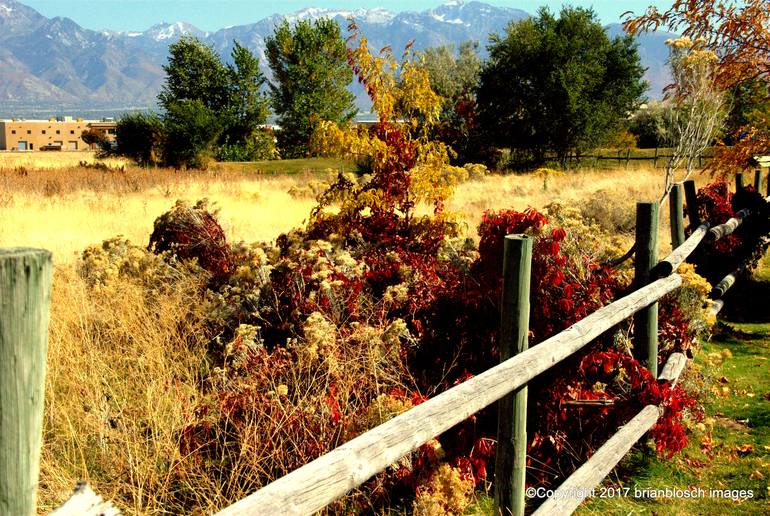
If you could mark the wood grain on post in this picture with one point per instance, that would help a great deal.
(315, 485)
(511, 458)
(25, 296)
(646, 320)
(691, 198)
(676, 212)
(673, 368)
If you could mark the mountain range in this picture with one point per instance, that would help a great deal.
(52, 65)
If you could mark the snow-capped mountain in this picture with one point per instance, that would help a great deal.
(53, 64)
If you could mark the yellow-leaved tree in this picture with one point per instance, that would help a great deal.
(406, 165)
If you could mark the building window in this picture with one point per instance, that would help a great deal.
(29, 132)
(43, 131)
(13, 131)
(72, 132)
(57, 131)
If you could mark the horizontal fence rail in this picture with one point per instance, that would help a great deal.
(672, 262)
(728, 227)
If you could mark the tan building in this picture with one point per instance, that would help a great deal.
(60, 133)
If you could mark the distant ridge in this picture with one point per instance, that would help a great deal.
(53, 65)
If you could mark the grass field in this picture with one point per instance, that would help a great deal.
(67, 208)
(40, 159)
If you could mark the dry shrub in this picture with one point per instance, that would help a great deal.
(192, 232)
(447, 493)
(584, 236)
(268, 412)
(311, 190)
(611, 211)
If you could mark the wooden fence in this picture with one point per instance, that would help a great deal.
(626, 157)
(25, 278)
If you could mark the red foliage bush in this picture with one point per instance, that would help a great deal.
(451, 308)
(716, 204)
(193, 233)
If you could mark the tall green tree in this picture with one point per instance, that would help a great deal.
(557, 84)
(192, 130)
(310, 79)
(247, 106)
(454, 76)
(453, 72)
(195, 72)
(749, 105)
(141, 136)
(211, 108)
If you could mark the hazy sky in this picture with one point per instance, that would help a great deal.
(209, 15)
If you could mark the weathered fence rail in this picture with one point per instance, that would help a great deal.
(25, 294)
(580, 485)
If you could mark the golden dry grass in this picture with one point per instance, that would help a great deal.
(124, 369)
(123, 377)
(65, 210)
(51, 159)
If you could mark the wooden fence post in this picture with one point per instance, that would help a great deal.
(758, 180)
(677, 216)
(646, 319)
(25, 296)
(738, 182)
(511, 459)
(691, 198)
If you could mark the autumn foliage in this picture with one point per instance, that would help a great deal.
(372, 308)
(737, 33)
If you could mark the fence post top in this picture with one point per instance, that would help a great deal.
(517, 236)
(18, 252)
